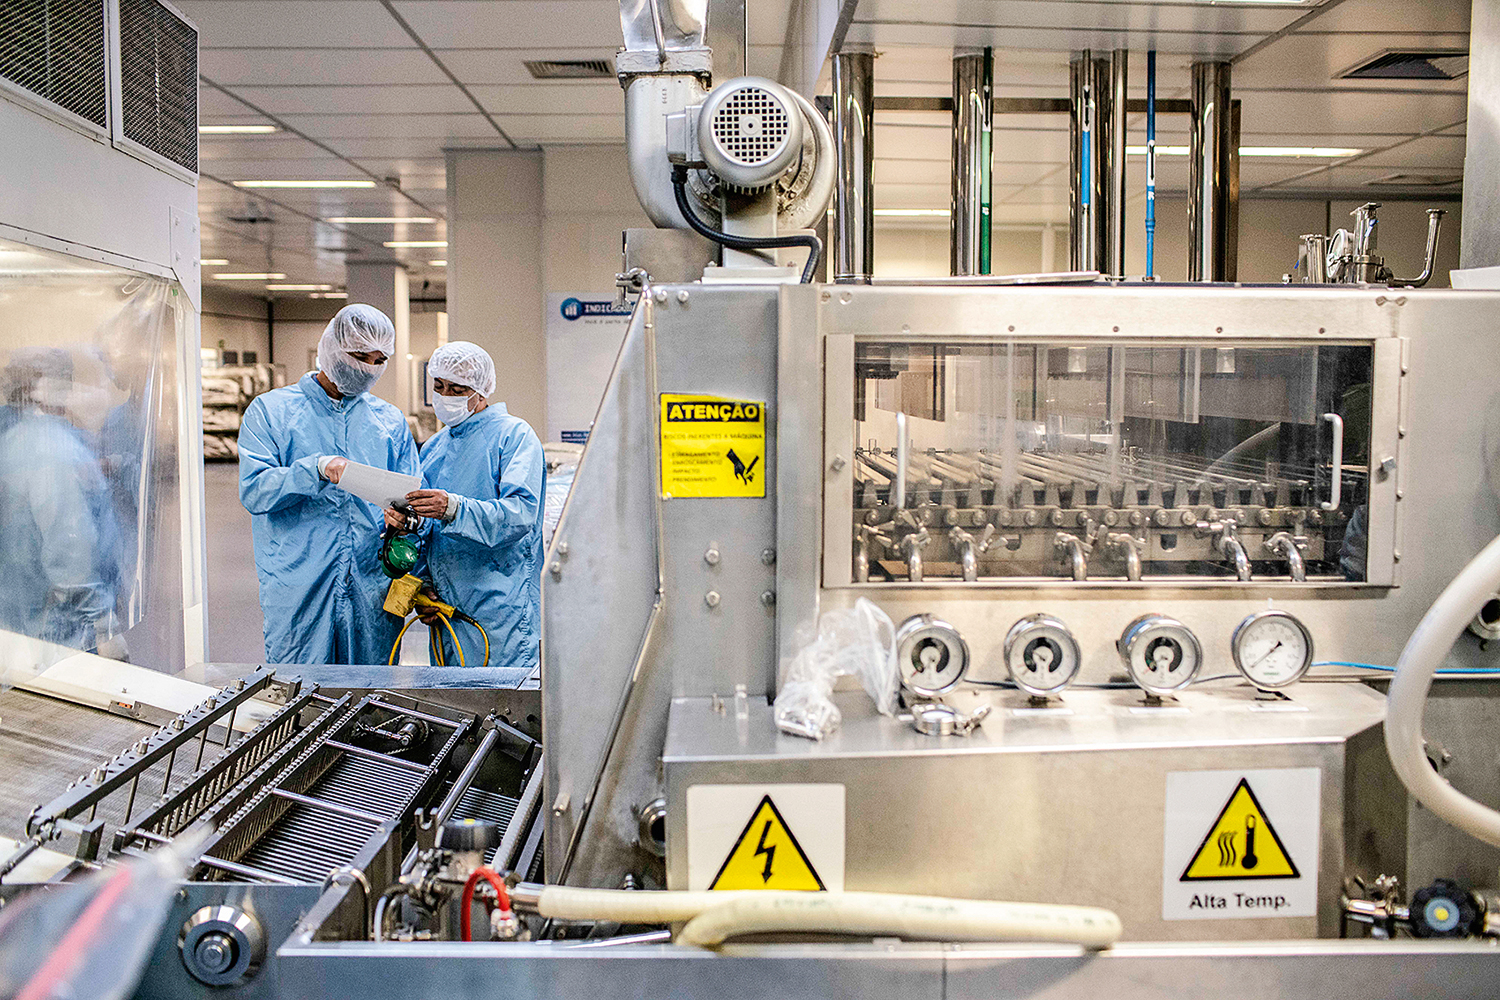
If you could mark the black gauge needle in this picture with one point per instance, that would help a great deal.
(1268, 653)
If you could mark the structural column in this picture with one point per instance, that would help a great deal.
(973, 113)
(495, 261)
(383, 284)
(1481, 208)
(854, 192)
(1213, 177)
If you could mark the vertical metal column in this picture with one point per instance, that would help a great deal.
(1110, 78)
(1213, 188)
(973, 112)
(1080, 162)
(854, 189)
(1480, 233)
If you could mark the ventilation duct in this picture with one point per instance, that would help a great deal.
(159, 81)
(55, 49)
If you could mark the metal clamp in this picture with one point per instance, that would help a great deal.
(1337, 485)
(933, 718)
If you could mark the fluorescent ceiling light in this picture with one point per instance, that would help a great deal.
(913, 213)
(212, 262)
(1321, 152)
(437, 263)
(329, 295)
(236, 129)
(376, 220)
(259, 276)
(304, 184)
(298, 288)
(413, 244)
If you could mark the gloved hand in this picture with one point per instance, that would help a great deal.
(334, 470)
(428, 615)
(428, 503)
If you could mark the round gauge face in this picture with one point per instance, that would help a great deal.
(931, 655)
(1272, 649)
(1041, 655)
(1161, 654)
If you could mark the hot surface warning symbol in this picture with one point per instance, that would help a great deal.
(1241, 844)
(766, 856)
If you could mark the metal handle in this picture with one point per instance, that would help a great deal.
(902, 445)
(1332, 503)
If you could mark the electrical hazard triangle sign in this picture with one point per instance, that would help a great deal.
(766, 855)
(1241, 844)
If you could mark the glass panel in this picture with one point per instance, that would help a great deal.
(1095, 461)
(88, 475)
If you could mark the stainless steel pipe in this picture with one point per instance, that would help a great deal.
(1081, 164)
(854, 190)
(1213, 184)
(973, 113)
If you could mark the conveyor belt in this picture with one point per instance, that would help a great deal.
(46, 743)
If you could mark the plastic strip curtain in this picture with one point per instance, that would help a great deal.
(88, 473)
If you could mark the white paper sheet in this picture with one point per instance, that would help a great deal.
(381, 487)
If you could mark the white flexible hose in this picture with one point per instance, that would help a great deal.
(712, 917)
(1444, 622)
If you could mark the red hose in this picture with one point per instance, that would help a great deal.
(502, 898)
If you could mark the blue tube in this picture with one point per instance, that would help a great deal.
(1151, 164)
(1392, 670)
(1086, 147)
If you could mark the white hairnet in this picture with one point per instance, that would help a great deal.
(465, 363)
(358, 327)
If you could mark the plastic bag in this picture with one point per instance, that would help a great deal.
(859, 642)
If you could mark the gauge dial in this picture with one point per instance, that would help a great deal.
(1041, 655)
(1272, 649)
(931, 655)
(1161, 654)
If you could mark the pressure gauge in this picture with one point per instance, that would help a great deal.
(931, 655)
(1161, 653)
(1272, 649)
(1041, 655)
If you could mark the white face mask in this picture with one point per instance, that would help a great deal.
(451, 410)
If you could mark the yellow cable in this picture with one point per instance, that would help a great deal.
(482, 632)
(396, 649)
(458, 646)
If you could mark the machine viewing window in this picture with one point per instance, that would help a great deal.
(1139, 461)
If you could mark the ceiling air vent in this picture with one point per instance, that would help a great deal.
(159, 81)
(55, 49)
(570, 69)
(1401, 64)
(1428, 181)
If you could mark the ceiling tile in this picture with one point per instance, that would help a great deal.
(455, 24)
(507, 66)
(269, 66)
(294, 23)
(375, 100)
(600, 98)
(425, 126)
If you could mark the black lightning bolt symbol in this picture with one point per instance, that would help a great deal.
(769, 852)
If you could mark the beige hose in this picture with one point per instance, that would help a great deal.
(713, 917)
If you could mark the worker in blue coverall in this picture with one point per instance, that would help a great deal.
(483, 479)
(317, 547)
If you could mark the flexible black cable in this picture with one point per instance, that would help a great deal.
(813, 244)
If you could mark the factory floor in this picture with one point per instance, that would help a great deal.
(235, 621)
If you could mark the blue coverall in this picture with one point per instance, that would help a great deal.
(487, 561)
(317, 547)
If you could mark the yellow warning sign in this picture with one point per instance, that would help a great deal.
(766, 856)
(712, 447)
(1241, 844)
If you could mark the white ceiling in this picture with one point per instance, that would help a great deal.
(375, 89)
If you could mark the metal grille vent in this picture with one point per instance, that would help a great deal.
(159, 81)
(751, 127)
(570, 69)
(55, 49)
(1392, 64)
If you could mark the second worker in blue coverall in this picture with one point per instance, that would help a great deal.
(483, 478)
(317, 547)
